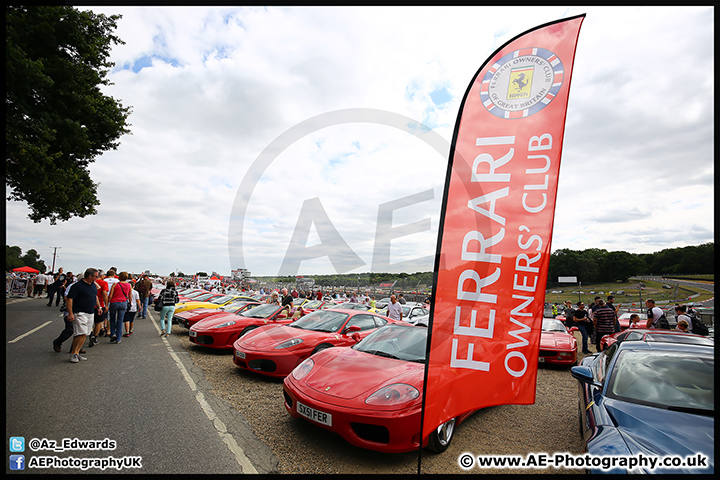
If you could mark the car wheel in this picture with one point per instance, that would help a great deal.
(322, 346)
(441, 437)
(246, 330)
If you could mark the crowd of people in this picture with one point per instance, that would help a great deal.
(601, 319)
(96, 304)
(105, 304)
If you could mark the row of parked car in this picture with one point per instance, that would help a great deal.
(650, 392)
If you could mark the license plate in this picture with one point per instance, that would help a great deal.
(314, 415)
(192, 333)
(240, 354)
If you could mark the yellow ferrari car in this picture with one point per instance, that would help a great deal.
(215, 302)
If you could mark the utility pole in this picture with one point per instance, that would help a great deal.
(54, 253)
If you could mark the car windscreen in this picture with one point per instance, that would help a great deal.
(203, 297)
(262, 311)
(321, 321)
(221, 300)
(402, 342)
(552, 325)
(672, 380)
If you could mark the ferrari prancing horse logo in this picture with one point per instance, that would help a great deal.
(521, 83)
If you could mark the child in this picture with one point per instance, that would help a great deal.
(635, 321)
(682, 325)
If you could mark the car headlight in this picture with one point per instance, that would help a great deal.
(290, 343)
(303, 369)
(393, 395)
(225, 324)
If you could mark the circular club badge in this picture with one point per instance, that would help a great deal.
(521, 83)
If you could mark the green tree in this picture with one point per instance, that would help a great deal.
(12, 257)
(57, 121)
(32, 259)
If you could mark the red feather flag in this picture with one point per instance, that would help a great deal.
(496, 224)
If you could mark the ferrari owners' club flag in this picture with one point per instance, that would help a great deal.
(496, 225)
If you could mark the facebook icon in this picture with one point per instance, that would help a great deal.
(17, 462)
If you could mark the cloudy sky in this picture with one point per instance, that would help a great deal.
(258, 133)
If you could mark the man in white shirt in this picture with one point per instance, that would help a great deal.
(394, 309)
(654, 313)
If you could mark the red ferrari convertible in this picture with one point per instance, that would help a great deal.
(371, 393)
(221, 331)
(275, 351)
(557, 344)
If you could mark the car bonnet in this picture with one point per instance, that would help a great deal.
(653, 431)
(556, 340)
(269, 338)
(350, 373)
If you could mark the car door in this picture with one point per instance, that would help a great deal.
(366, 323)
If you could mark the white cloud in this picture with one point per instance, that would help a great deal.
(211, 88)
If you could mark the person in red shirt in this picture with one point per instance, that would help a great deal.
(101, 313)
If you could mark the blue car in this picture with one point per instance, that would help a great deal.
(649, 399)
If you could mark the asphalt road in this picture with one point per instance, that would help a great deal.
(143, 394)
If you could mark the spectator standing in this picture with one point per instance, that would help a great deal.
(611, 303)
(134, 305)
(43, 281)
(119, 295)
(581, 320)
(144, 288)
(394, 310)
(101, 312)
(49, 279)
(401, 299)
(653, 315)
(168, 298)
(81, 302)
(58, 288)
(68, 330)
(604, 321)
(569, 313)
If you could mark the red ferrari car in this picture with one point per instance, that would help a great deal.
(557, 344)
(370, 393)
(654, 335)
(221, 331)
(189, 318)
(275, 351)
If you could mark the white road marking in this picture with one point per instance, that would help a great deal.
(226, 437)
(30, 332)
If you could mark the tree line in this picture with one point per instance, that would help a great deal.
(596, 265)
(14, 258)
(592, 265)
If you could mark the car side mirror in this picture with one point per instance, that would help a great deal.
(584, 374)
(356, 336)
(574, 329)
